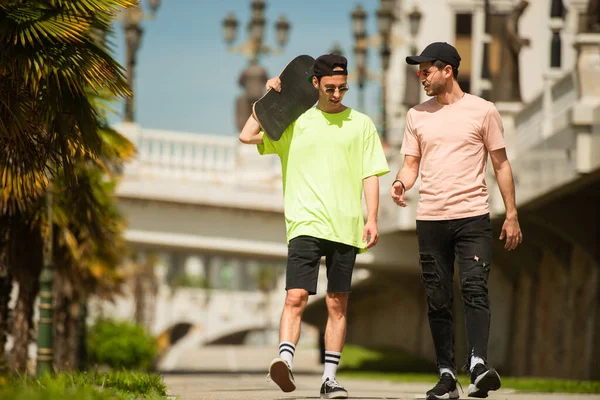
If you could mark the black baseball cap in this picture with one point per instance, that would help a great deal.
(324, 65)
(437, 51)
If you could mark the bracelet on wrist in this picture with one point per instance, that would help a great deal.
(401, 183)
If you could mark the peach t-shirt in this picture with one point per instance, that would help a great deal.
(453, 142)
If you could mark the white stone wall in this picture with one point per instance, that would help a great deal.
(437, 24)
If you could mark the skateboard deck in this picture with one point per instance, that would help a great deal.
(275, 111)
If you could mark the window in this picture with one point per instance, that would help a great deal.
(464, 43)
(464, 24)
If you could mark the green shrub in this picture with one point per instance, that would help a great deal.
(121, 345)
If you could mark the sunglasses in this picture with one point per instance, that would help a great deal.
(342, 90)
(425, 74)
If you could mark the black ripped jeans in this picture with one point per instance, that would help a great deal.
(469, 241)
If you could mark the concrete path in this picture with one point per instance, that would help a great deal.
(255, 387)
(239, 373)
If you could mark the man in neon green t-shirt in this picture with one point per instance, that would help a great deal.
(329, 155)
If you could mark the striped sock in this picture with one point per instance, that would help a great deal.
(286, 352)
(332, 360)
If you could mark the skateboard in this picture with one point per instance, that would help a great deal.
(275, 111)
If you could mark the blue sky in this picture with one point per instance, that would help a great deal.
(187, 79)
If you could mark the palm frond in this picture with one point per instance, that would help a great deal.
(48, 66)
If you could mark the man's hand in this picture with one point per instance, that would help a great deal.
(397, 193)
(274, 83)
(371, 233)
(512, 232)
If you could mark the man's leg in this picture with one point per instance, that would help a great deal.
(340, 259)
(474, 253)
(304, 256)
(335, 332)
(291, 319)
(436, 256)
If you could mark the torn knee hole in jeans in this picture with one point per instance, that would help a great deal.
(474, 289)
(484, 264)
(431, 279)
(428, 266)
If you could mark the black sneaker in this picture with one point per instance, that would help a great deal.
(483, 379)
(445, 389)
(331, 389)
(281, 373)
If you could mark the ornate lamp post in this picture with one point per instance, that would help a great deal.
(412, 91)
(414, 19)
(254, 77)
(336, 49)
(133, 36)
(45, 354)
(385, 18)
(359, 17)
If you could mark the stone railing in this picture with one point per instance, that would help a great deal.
(546, 115)
(189, 157)
(181, 155)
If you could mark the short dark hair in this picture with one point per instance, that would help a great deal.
(441, 65)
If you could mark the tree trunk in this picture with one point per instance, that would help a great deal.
(5, 291)
(25, 259)
(82, 353)
(65, 323)
(139, 295)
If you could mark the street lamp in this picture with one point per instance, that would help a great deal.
(230, 25)
(254, 46)
(45, 342)
(336, 49)
(254, 77)
(282, 27)
(359, 17)
(133, 37)
(385, 19)
(414, 19)
(411, 88)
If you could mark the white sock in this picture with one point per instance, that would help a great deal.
(476, 360)
(332, 360)
(287, 351)
(448, 370)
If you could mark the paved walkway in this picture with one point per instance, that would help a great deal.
(239, 373)
(255, 387)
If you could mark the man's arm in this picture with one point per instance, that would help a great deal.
(405, 179)
(250, 133)
(371, 189)
(511, 229)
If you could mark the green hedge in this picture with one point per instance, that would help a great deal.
(121, 345)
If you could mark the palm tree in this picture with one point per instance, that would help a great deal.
(48, 126)
(5, 289)
(89, 243)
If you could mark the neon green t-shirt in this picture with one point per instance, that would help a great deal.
(324, 159)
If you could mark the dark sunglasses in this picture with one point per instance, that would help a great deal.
(342, 90)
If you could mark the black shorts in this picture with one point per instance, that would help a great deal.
(304, 258)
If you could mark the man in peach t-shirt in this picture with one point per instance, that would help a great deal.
(449, 138)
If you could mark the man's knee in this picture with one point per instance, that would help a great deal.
(296, 299)
(337, 304)
(474, 289)
(438, 294)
